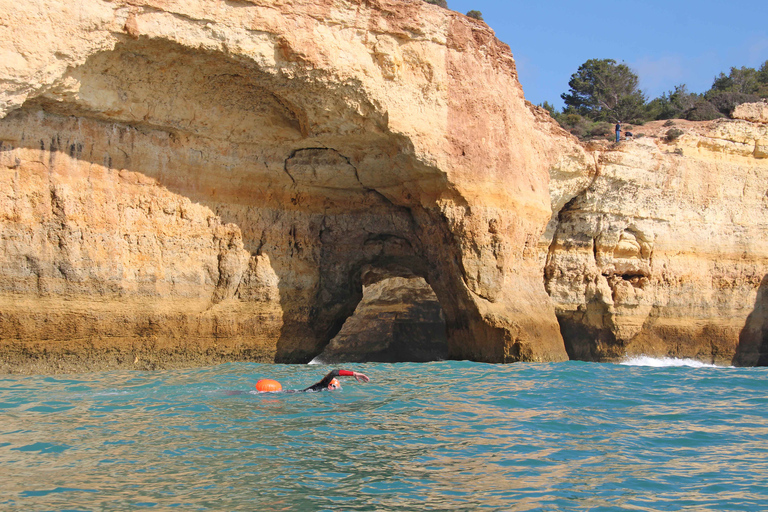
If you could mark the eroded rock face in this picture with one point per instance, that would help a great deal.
(754, 112)
(209, 181)
(663, 253)
(203, 181)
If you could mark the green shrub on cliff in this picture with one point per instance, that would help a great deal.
(673, 134)
(477, 15)
(441, 3)
(549, 108)
(672, 105)
(702, 110)
(580, 126)
(762, 75)
(682, 104)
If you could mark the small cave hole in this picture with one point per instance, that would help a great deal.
(399, 319)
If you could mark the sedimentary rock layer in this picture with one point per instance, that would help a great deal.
(665, 250)
(193, 182)
(204, 180)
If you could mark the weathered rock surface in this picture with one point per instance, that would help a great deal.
(197, 181)
(663, 253)
(754, 112)
(192, 182)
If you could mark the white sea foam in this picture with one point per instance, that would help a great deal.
(316, 360)
(663, 362)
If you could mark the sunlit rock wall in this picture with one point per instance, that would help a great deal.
(189, 182)
(662, 253)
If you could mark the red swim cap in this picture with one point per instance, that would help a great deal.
(268, 385)
(334, 384)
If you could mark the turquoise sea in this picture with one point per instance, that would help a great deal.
(650, 435)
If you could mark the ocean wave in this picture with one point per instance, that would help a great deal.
(664, 362)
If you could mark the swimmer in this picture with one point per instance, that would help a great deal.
(329, 382)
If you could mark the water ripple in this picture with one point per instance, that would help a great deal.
(438, 436)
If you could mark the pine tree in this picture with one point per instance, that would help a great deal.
(603, 90)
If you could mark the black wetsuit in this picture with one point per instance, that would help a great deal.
(323, 384)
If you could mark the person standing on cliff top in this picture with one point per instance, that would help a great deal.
(618, 131)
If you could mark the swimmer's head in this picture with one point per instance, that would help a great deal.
(334, 384)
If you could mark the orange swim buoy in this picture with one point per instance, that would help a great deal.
(268, 385)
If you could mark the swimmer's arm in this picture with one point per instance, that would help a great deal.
(343, 373)
(357, 375)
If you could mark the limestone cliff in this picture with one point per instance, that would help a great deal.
(200, 181)
(204, 180)
(664, 251)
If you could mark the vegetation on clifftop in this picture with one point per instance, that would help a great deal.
(603, 92)
(477, 15)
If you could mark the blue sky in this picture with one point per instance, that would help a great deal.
(666, 43)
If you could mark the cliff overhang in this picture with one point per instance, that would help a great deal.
(187, 183)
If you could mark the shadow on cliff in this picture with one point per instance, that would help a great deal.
(753, 339)
(273, 217)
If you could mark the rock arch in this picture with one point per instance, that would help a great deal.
(225, 201)
(399, 319)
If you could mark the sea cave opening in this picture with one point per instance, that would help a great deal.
(398, 319)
